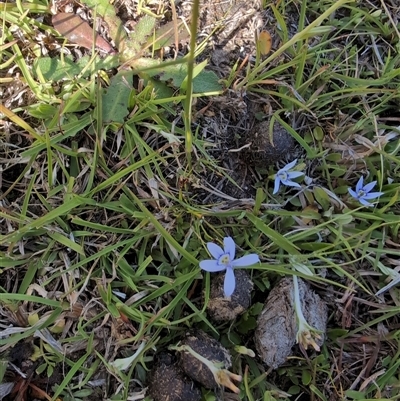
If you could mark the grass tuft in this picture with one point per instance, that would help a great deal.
(117, 167)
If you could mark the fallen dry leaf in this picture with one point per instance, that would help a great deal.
(78, 31)
(264, 42)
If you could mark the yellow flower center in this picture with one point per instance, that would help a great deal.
(224, 260)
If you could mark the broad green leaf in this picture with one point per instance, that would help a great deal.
(56, 69)
(306, 377)
(143, 29)
(322, 197)
(115, 98)
(205, 81)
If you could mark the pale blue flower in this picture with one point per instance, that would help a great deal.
(363, 192)
(285, 177)
(225, 260)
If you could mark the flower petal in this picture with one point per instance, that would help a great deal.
(360, 183)
(289, 183)
(289, 165)
(215, 250)
(372, 195)
(246, 260)
(353, 193)
(229, 247)
(294, 174)
(277, 184)
(368, 187)
(229, 282)
(211, 266)
(364, 202)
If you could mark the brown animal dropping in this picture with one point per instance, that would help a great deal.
(205, 360)
(267, 149)
(277, 324)
(169, 383)
(221, 308)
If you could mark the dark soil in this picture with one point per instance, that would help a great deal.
(168, 382)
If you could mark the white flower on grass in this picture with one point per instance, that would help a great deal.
(285, 176)
(225, 260)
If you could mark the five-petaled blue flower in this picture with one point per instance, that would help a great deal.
(363, 192)
(225, 260)
(285, 176)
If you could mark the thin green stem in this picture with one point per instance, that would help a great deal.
(189, 84)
